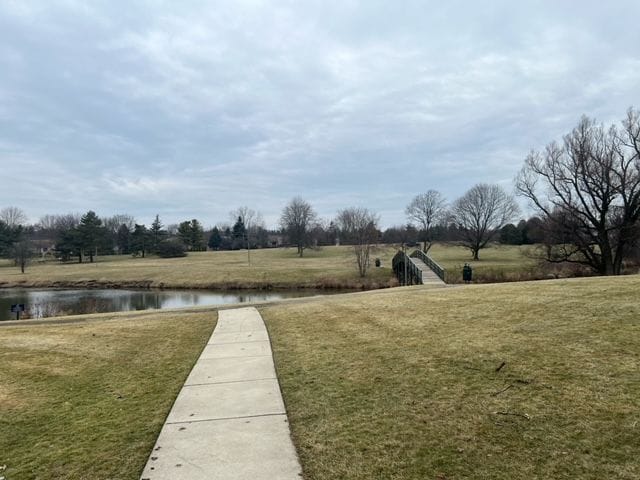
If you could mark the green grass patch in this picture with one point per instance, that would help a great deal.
(406, 383)
(88, 400)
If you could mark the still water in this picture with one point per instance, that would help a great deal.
(50, 303)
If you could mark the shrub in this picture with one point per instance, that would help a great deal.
(171, 249)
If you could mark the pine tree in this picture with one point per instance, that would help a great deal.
(140, 240)
(215, 239)
(124, 239)
(157, 233)
(192, 235)
(91, 233)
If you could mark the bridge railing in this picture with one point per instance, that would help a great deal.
(430, 262)
(406, 271)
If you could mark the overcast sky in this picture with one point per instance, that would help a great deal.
(189, 109)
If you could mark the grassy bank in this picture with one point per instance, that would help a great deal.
(498, 263)
(512, 381)
(88, 400)
(329, 267)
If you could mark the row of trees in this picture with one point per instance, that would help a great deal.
(474, 219)
(586, 191)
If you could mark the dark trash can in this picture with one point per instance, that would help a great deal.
(467, 273)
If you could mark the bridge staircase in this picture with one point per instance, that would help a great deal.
(417, 269)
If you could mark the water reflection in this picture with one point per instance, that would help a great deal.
(49, 303)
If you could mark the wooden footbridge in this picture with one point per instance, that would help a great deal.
(417, 269)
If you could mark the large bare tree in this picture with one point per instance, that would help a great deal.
(359, 227)
(296, 220)
(427, 210)
(587, 189)
(13, 216)
(480, 213)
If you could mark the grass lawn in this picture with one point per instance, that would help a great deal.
(506, 381)
(498, 263)
(87, 401)
(512, 381)
(270, 268)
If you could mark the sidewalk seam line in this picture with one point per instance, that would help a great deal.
(235, 343)
(283, 414)
(238, 356)
(229, 381)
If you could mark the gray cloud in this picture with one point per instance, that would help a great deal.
(193, 108)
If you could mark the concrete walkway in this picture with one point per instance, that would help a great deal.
(229, 420)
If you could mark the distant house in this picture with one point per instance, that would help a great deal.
(275, 240)
(44, 247)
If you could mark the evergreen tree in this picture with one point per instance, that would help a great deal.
(239, 230)
(91, 232)
(239, 233)
(140, 240)
(215, 239)
(123, 239)
(157, 234)
(8, 236)
(192, 235)
(68, 243)
(184, 233)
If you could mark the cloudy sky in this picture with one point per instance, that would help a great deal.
(189, 109)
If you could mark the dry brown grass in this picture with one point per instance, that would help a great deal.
(329, 267)
(403, 383)
(87, 401)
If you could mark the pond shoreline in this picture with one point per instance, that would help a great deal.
(55, 302)
(325, 284)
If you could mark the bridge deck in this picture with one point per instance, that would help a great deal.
(428, 276)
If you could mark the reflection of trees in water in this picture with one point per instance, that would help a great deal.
(51, 303)
(46, 309)
(189, 298)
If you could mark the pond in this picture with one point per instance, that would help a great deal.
(50, 303)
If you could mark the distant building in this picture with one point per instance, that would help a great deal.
(275, 240)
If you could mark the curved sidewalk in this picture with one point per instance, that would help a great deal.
(229, 420)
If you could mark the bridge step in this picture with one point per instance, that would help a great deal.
(428, 275)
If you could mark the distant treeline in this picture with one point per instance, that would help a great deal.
(586, 192)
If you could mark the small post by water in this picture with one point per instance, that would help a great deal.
(17, 308)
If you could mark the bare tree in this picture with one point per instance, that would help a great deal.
(296, 220)
(47, 223)
(480, 213)
(588, 192)
(251, 220)
(427, 210)
(114, 222)
(359, 227)
(13, 216)
(67, 221)
(172, 229)
(22, 252)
